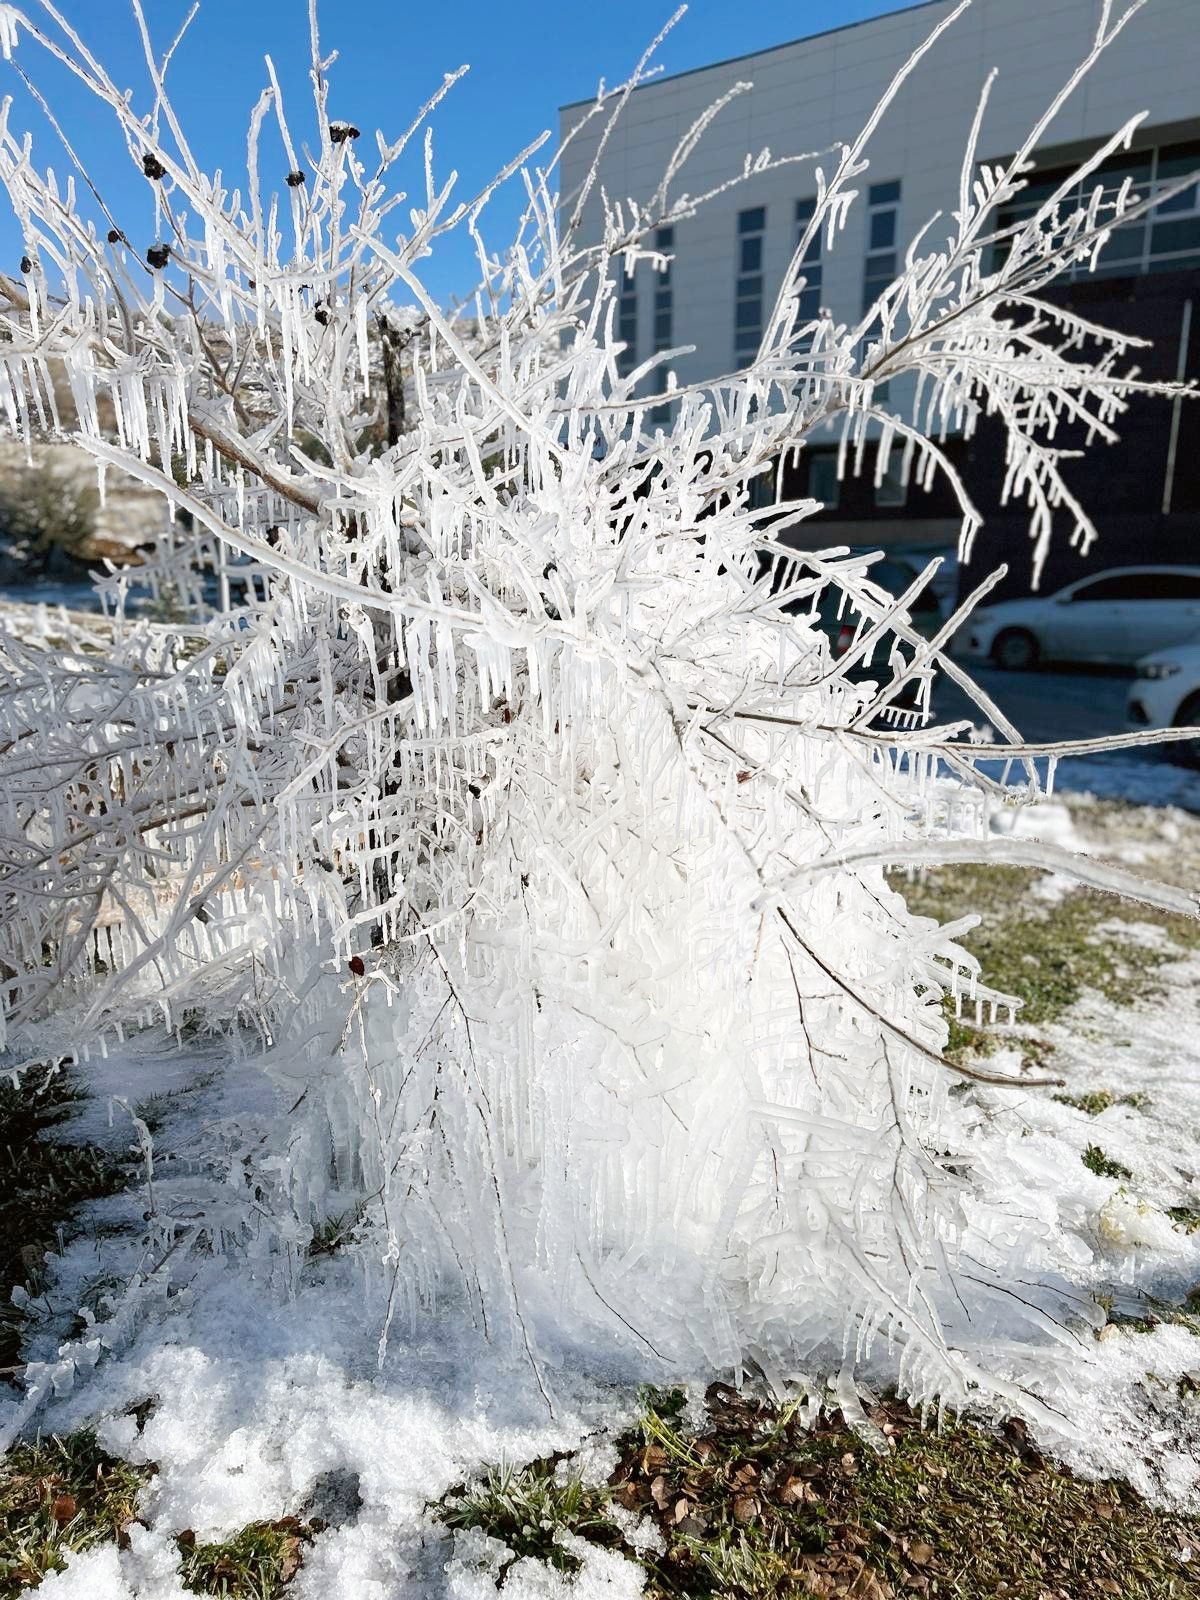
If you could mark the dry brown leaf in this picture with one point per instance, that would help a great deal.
(921, 1553)
(745, 1507)
(290, 1559)
(62, 1508)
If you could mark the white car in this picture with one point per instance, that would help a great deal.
(1114, 616)
(1166, 694)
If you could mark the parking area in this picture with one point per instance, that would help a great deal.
(1077, 703)
(1074, 703)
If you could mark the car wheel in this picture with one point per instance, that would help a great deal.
(1186, 752)
(1016, 650)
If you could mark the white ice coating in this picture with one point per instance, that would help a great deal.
(644, 1046)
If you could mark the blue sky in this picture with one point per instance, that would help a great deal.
(526, 59)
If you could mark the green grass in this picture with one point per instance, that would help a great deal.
(753, 1506)
(1098, 1100)
(257, 1563)
(526, 1507)
(1104, 1166)
(1048, 954)
(60, 1495)
(41, 1183)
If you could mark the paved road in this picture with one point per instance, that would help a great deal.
(1044, 706)
(1080, 704)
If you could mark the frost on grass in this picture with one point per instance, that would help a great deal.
(530, 844)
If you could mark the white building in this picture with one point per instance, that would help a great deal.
(729, 259)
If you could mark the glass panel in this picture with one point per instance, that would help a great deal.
(883, 230)
(1111, 172)
(662, 326)
(883, 194)
(752, 221)
(805, 209)
(749, 285)
(1126, 243)
(823, 481)
(750, 258)
(808, 304)
(1185, 200)
(662, 300)
(1168, 237)
(749, 313)
(892, 491)
(1174, 160)
(1121, 586)
(664, 239)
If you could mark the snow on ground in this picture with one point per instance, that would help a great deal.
(269, 1397)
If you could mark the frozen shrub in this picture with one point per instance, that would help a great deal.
(539, 843)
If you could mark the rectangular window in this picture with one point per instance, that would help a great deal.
(1166, 240)
(823, 481)
(627, 322)
(664, 310)
(810, 296)
(748, 284)
(883, 212)
(892, 489)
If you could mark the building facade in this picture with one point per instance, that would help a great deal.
(728, 260)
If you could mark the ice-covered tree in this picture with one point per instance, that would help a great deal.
(539, 845)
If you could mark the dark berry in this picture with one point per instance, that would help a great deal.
(153, 167)
(26, 264)
(358, 966)
(115, 236)
(295, 179)
(339, 132)
(158, 255)
(322, 316)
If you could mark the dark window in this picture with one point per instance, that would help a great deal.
(1141, 586)
(883, 212)
(809, 301)
(1167, 240)
(627, 323)
(664, 306)
(883, 230)
(748, 283)
(751, 253)
(892, 489)
(823, 481)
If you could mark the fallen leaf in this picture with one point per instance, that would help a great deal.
(745, 1507)
(62, 1508)
(658, 1492)
(921, 1553)
(681, 1510)
(290, 1560)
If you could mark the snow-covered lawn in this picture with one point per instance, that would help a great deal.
(268, 1397)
